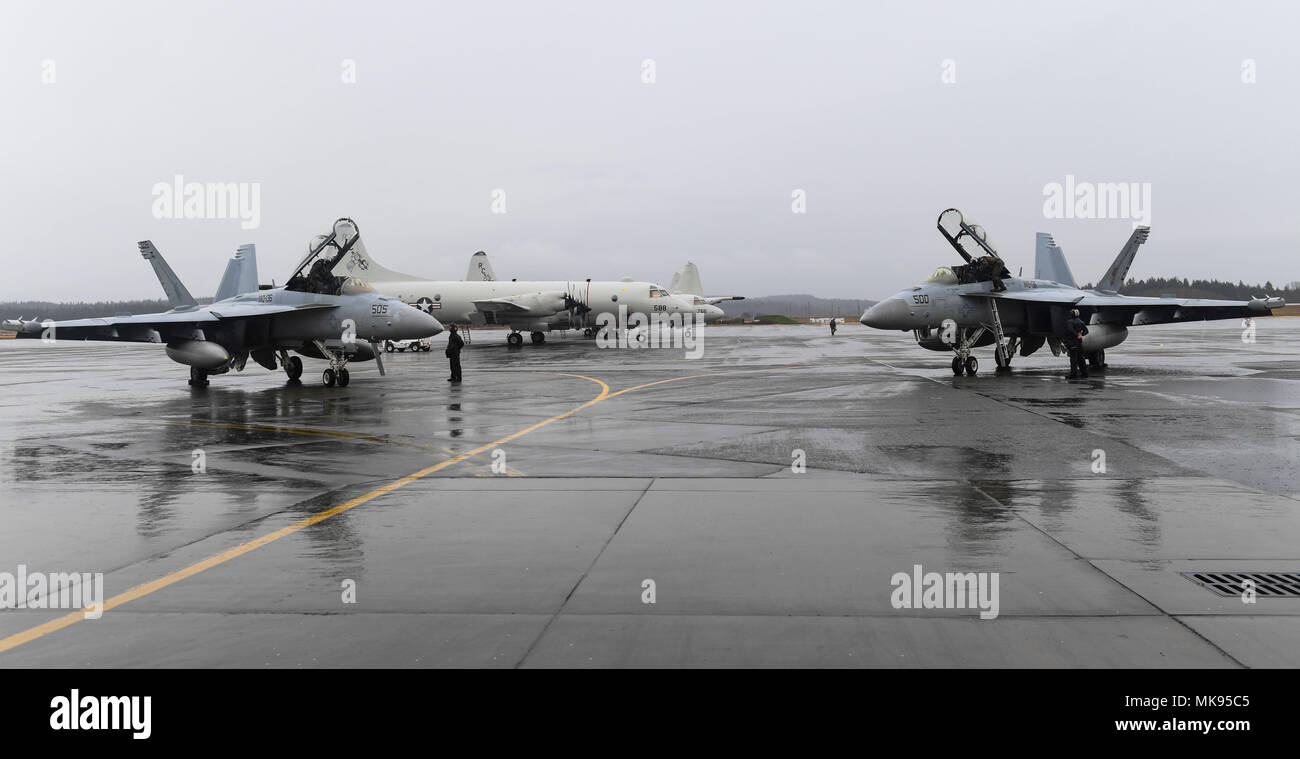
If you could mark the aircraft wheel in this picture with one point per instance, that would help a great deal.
(587, 332)
(515, 338)
(293, 367)
(956, 365)
(198, 377)
(538, 338)
(972, 366)
(1003, 361)
(343, 377)
(388, 346)
(328, 377)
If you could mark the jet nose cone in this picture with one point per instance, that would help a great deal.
(415, 324)
(891, 313)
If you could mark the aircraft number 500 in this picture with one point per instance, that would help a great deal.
(920, 299)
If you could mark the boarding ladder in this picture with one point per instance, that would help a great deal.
(1002, 350)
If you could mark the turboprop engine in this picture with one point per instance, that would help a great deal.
(200, 354)
(1102, 336)
(548, 302)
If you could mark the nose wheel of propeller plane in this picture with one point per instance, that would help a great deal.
(515, 339)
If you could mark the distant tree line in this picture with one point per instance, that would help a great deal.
(42, 309)
(1207, 288)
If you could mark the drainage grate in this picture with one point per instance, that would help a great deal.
(1267, 584)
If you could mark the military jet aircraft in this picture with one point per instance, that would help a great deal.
(534, 306)
(336, 319)
(979, 303)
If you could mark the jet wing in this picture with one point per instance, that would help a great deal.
(1131, 310)
(151, 328)
(1036, 295)
(1123, 309)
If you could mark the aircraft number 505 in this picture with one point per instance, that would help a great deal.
(378, 309)
(920, 299)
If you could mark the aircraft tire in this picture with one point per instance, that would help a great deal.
(328, 377)
(972, 366)
(293, 368)
(956, 365)
(343, 377)
(515, 338)
(538, 338)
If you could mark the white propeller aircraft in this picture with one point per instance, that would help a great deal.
(535, 306)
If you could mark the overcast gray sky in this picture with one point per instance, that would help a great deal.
(605, 175)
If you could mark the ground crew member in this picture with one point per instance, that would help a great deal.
(454, 344)
(832, 326)
(1075, 329)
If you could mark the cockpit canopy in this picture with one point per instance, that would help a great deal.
(966, 235)
(943, 276)
(355, 286)
(658, 292)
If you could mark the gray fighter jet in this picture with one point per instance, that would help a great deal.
(979, 303)
(338, 319)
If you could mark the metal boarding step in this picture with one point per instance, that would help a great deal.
(997, 328)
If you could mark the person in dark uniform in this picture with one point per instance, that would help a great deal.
(1075, 329)
(454, 344)
(832, 326)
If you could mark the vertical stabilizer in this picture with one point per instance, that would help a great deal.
(241, 274)
(176, 293)
(1050, 263)
(1113, 279)
(689, 284)
(480, 269)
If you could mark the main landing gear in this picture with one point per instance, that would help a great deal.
(1097, 360)
(292, 367)
(538, 338)
(514, 339)
(198, 377)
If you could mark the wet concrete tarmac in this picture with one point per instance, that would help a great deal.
(388, 487)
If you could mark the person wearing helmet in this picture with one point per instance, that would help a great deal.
(1075, 329)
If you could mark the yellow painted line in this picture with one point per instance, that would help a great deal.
(139, 591)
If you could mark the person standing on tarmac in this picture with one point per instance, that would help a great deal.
(454, 344)
(832, 326)
(1075, 329)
